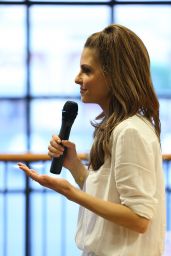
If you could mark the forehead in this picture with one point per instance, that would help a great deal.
(89, 56)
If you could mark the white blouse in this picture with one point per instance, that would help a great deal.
(133, 176)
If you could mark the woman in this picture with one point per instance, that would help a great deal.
(121, 194)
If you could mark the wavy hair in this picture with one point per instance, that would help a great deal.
(126, 66)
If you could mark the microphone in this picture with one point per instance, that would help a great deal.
(69, 113)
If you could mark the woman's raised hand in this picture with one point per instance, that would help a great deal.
(59, 185)
(56, 149)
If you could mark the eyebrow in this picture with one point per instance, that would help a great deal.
(85, 66)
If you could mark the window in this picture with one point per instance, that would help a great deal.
(40, 48)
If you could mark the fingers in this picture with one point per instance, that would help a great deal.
(24, 168)
(55, 152)
(59, 185)
(55, 148)
(31, 173)
(43, 180)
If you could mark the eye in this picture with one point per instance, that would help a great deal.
(86, 69)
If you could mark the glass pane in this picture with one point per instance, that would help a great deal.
(42, 128)
(143, 0)
(13, 0)
(15, 178)
(71, 1)
(165, 115)
(12, 129)
(12, 51)
(151, 23)
(11, 178)
(57, 37)
(2, 225)
(15, 224)
(2, 177)
(55, 224)
(37, 224)
(71, 226)
(46, 224)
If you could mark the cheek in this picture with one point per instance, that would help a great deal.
(103, 87)
(87, 80)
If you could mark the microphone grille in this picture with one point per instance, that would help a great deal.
(70, 106)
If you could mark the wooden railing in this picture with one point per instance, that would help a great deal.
(31, 157)
(167, 157)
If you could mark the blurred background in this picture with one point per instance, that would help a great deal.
(40, 46)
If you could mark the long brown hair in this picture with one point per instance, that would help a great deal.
(126, 65)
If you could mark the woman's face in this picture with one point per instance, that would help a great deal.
(93, 84)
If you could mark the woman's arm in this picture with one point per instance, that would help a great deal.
(116, 213)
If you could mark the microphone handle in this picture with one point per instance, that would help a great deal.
(57, 162)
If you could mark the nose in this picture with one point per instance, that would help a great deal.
(78, 79)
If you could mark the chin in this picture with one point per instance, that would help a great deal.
(85, 99)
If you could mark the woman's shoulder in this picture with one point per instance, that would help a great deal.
(130, 122)
(134, 125)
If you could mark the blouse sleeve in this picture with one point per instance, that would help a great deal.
(135, 172)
